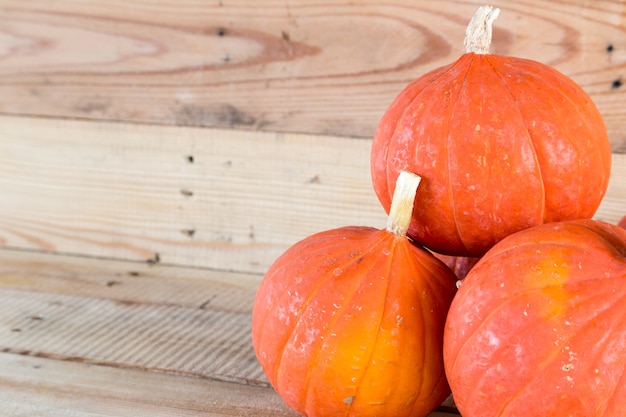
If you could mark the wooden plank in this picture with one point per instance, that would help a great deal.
(308, 66)
(127, 191)
(87, 337)
(132, 192)
(179, 320)
(50, 388)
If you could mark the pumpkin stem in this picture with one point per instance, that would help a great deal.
(401, 210)
(478, 33)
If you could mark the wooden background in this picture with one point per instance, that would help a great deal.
(291, 66)
(157, 155)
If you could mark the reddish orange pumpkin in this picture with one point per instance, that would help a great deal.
(538, 326)
(460, 265)
(622, 223)
(350, 322)
(502, 144)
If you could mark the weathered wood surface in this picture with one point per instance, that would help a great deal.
(88, 337)
(132, 192)
(35, 386)
(187, 321)
(223, 199)
(302, 66)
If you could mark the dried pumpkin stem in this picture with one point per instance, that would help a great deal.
(401, 210)
(478, 33)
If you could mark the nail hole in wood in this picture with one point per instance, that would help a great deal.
(188, 232)
(155, 260)
(616, 84)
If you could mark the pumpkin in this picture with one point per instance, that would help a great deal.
(502, 144)
(350, 321)
(538, 326)
(460, 265)
(622, 222)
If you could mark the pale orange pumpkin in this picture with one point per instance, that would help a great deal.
(502, 144)
(349, 322)
(538, 326)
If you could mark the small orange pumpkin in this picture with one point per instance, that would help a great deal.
(502, 144)
(538, 326)
(350, 321)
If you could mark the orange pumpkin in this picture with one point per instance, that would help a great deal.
(538, 326)
(350, 321)
(502, 144)
(622, 223)
(460, 265)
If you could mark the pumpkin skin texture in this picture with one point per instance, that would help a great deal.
(502, 144)
(538, 326)
(350, 322)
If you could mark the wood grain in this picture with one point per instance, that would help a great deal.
(229, 200)
(127, 191)
(131, 315)
(307, 66)
(87, 337)
(32, 386)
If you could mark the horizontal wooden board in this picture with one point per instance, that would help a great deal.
(221, 199)
(230, 200)
(307, 66)
(89, 337)
(44, 387)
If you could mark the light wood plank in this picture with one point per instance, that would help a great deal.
(309, 66)
(128, 191)
(32, 386)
